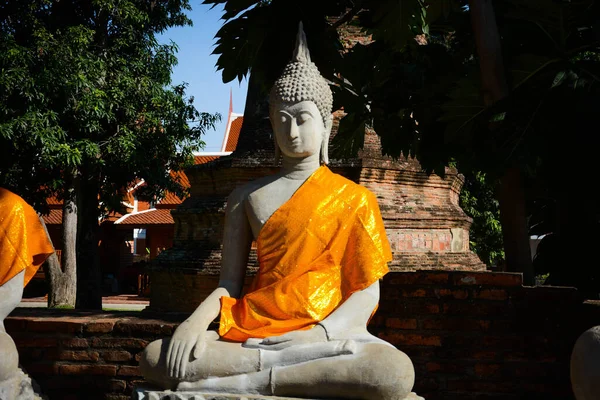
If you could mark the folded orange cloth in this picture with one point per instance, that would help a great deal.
(325, 243)
(24, 244)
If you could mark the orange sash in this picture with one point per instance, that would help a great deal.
(24, 245)
(325, 243)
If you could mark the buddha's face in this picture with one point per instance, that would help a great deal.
(299, 129)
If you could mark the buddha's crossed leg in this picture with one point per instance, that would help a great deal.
(343, 369)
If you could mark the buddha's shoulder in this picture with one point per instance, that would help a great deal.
(243, 192)
(346, 188)
(11, 201)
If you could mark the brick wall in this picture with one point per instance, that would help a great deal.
(471, 336)
(85, 355)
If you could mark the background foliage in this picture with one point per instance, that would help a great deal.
(87, 108)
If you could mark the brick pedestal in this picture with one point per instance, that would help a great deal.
(470, 335)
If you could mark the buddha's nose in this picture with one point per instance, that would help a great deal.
(294, 131)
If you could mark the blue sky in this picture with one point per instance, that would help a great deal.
(198, 68)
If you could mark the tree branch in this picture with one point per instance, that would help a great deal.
(348, 16)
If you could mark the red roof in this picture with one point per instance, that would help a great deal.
(53, 201)
(234, 134)
(144, 218)
(54, 218)
(156, 216)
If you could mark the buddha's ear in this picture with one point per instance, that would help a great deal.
(325, 142)
(277, 149)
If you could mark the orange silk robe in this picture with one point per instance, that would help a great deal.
(322, 245)
(24, 244)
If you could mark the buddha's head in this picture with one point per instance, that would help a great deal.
(300, 106)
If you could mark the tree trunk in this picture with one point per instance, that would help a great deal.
(62, 281)
(89, 276)
(510, 191)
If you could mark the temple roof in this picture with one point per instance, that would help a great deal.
(142, 219)
(232, 133)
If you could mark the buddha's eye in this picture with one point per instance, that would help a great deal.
(302, 118)
(283, 118)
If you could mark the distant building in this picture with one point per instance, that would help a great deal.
(145, 229)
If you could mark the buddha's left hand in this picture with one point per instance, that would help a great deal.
(313, 335)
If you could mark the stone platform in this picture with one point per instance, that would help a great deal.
(144, 393)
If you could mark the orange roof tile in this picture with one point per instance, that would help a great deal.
(53, 201)
(204, 159)
(144, 218)
(234, 134)
(54, 218)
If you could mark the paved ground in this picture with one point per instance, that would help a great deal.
(126, 302)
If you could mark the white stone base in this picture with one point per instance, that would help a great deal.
(142, 393)
(19, 387)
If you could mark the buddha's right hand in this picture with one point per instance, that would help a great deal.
(187, 338)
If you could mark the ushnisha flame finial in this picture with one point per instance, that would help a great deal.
(301, 81)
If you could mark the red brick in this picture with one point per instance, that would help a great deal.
(116, 355)
(455, 324)
(114, 385)
(433, 366)
(490, 294)
(44, 369)
(531, 370)
(460, 294)
(417, 278)
(100, 326)
(413, 292)
(70, 355)
(35, 341)
(400, 323)
(130, 343)
(114, 396)
(30, 353)
(62, 382)
(475, 308)
(408, 308)
(505, 279)
(400, 339)
(129, 370)
(446, 367)
(144, 328)
(83, 369)
(487, 370)
(485, 355)
(515, 343)
(57, 325)
(480, 386)
(75, 343)
(15, 324)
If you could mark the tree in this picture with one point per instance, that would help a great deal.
(87, 110)
(424, 97)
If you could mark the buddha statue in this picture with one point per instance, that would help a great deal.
(24, 246)
(300, 330)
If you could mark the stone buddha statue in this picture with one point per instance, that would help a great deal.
(24, 246)
(300, 330)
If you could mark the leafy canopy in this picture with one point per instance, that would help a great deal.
(85, 90)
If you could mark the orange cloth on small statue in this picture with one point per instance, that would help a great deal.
(322, 245)
(24, 244)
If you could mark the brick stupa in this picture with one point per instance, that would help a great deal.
(425, 225)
